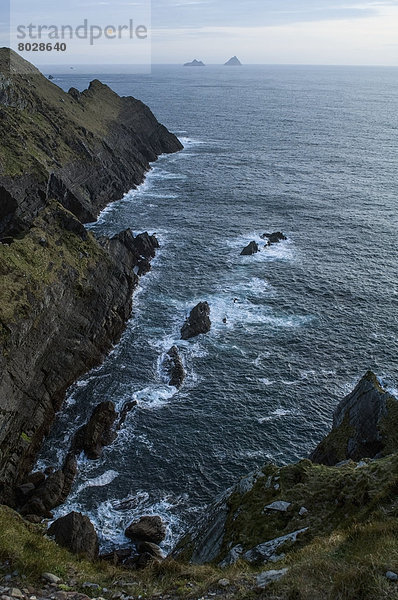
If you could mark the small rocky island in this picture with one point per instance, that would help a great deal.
(195, 63)
(233, 62)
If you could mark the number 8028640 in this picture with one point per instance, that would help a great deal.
(41, 47)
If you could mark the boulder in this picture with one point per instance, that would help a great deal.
(265, 579)
(53, 491)
(274, 238)
(279, 506)
(76, 533)
(152, 549)
(198, 321)
(175, 368)
(147, 529)
(266, 552)
(97, 433)
(250, 249)
(364, 425)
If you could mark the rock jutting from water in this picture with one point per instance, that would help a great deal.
(195, 63)
(198, 321)
(363, 425)
(233, 62)
(97, 433)
(149, 529)
(175, 368)
(250, 249)
(274, 238)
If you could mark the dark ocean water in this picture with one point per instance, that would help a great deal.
(309, 151)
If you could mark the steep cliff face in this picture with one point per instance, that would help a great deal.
(64, 301)
(277, 509)
(364, 425)
(64, 296)
(82, 149)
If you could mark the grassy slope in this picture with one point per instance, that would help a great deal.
(352, 540)
(30, 133)
(27, 267)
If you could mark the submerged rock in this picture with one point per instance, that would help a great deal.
(97, 433)
(250, 249)
(148, 529)
(364, 425)
(175, 368)
(198, 321)
(76, 533)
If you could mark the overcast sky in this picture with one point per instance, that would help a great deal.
(258, 31)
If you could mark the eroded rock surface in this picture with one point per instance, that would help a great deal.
(198, 321)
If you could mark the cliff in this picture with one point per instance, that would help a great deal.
(82, 149)
(286, 514)
(65, 297)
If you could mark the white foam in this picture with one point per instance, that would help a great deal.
(188, 141)
(154, 397)
(266, 381)
(100, 481)
(162, 174)
(276, 414)
(283, 251)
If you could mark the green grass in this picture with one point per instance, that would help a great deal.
(27, 267)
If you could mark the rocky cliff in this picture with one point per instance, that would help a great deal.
(65, 297)
(277, 509)
(82, 149)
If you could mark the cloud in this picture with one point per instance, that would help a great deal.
(266, 13)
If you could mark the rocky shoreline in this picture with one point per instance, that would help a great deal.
(65, 296)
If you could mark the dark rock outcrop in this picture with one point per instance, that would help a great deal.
(97, 433)
(274, 238)
(51, 492)
(147, 529)
(198, 321)
(175, 368)
(364, 425)
(250, 249)
(76, 533)
(126, 409)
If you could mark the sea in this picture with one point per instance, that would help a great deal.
(309, 151)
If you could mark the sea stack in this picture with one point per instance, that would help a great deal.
(195, 63)
(233, 62)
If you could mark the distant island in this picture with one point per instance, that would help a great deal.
(233, 62)
(195, 63)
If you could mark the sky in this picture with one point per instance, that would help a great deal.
(346, 32)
